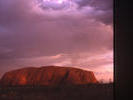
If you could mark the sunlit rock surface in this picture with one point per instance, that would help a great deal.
(48, 76)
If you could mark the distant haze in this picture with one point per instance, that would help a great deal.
(74, 33)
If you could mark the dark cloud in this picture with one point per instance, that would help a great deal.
(97, 4)
(105, 6)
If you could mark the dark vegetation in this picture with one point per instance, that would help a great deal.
(79, 92)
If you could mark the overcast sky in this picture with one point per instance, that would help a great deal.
(76, 33)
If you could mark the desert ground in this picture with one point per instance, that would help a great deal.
(80, 92)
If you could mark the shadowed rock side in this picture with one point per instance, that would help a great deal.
(48, 76)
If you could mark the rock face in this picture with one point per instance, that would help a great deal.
(48, 76)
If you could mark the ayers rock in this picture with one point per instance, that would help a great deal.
(48, 76)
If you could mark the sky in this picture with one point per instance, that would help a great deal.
(74, 33)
